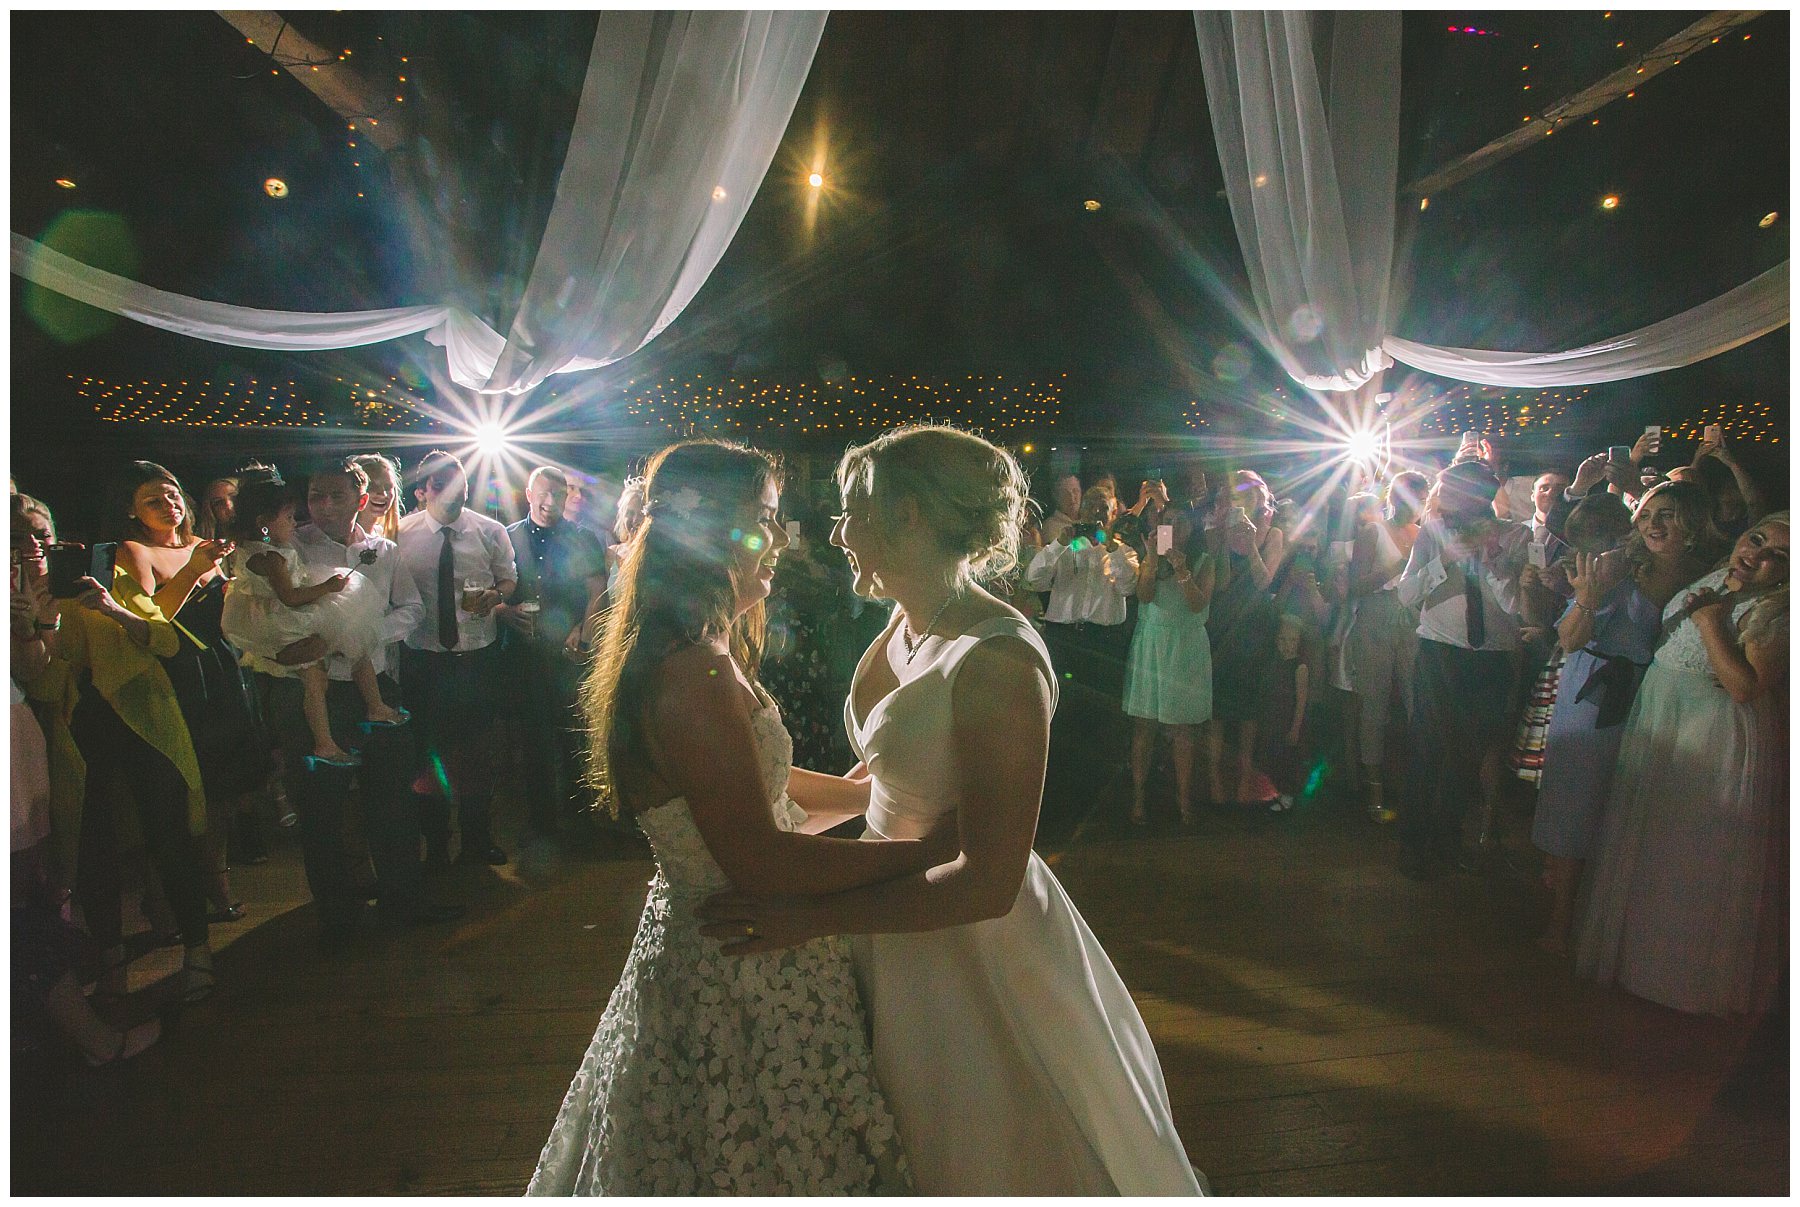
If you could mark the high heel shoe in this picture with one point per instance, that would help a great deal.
(405, 715)
(350, 759)
(197, 975)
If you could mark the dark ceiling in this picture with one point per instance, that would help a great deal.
(960, 149)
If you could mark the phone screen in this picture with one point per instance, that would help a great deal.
(67, 563)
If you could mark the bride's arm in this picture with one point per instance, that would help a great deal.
(699, 724)
(1000, 741)
(829, 799)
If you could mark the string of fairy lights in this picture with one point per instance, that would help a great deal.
(252, 402)
(1522, 413)
(743, 406)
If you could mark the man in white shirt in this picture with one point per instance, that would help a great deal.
(1068, 506)
(462, 563)
(334, 541)
(1463, 575)
(1089, 575)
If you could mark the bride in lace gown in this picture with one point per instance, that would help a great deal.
(714, 1074)
(1012, 1054)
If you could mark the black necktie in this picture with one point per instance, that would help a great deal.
(1477, 620)
(446, 592)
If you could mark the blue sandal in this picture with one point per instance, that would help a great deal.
(376, 726)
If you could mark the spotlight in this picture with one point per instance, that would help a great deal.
(274, 186)
(1362, 446)
(490, 438)
(817, 181)
(1609, 202)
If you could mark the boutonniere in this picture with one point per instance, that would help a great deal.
(364, 557)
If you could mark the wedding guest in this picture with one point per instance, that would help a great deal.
(1250, 549)
(629, 519)
(1068, 508)
(462, 563)
(159, 548)
(1088, 573)
(105, 682)
(1673, 909)
(213, 516)
(1282, 751)
(276, 601)
(1608, 636)
(1381, 644)
(380, 516)
(1168, 683)
(336, 540)
(1463, 574)
(45, 948)
(562, 582)
(1737, 499)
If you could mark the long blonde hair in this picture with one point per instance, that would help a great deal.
(674, 589)
(389, 522)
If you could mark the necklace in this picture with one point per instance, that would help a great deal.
(906, 638)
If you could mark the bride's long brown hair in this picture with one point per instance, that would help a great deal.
(674, 589)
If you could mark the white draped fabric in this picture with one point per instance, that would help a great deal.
(1754, 308)
(1305, 110)
(1319, 244)
(680, 116)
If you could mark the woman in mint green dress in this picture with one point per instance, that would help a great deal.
(1168, 676)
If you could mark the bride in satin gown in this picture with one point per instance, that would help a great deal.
(1010, 1052)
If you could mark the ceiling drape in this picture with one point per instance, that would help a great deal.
(1305, 111)
(679, 118)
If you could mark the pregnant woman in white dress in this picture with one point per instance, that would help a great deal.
(713, 1075)
(1010, 1051)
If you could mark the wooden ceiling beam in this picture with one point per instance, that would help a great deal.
(325, 75)
(1627, 79)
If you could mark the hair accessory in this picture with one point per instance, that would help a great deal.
(683, 502)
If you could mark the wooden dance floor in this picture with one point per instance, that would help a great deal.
(1326, 1027)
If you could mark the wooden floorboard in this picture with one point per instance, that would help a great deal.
(1325, 1027)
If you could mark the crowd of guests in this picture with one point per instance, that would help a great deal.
(370, 653)
(304, 643)
(1616, 636)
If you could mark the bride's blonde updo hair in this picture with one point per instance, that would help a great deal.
(971, 494)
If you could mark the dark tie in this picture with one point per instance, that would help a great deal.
(1472, 612)
(446, 592)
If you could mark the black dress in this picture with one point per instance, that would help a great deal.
(217, 700)
(1242, 628)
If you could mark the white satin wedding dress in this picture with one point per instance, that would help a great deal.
(1012, 1055)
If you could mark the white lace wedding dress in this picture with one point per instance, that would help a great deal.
(724, 1075)
(1011, 1052)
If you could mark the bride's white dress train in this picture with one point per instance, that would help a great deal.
(716, 1074)
(1010, 1051)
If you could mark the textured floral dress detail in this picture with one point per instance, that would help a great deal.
(716, 1074)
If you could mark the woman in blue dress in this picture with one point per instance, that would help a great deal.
(1168, 676)
(1608, 635)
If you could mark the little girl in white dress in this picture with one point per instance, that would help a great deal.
(272, 603)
